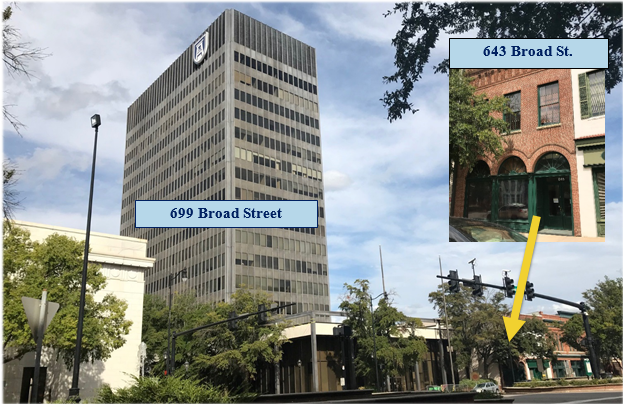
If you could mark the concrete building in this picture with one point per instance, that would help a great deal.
(589, 117)
(123, 262)
(539, 173)
(312, 361)
(234, 117)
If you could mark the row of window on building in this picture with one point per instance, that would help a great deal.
(275, 73)
(277, 145)
(592, 101)
(279, 243)
(282, 285)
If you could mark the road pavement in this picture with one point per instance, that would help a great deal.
(570, 398)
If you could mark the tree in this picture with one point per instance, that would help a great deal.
(475, 123)
(17, 56)
(478, 329)
(605, 316)
(10, 196)
(422, 23)
(56, 265)
(221, 356)
(397, 345)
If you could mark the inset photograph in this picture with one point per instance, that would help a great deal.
(526, 142)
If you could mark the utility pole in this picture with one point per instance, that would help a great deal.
(445, 311)
(382, 273)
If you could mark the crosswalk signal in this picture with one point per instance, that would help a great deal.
(477, 286)
(262, 318)
(529, 291)
(232, 324)
(455, 287)
(509, 287)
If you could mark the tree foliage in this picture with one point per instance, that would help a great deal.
(422, 24)
(56, 265)
(605, 316)
(475, 122)
(218, 355)
(177, 389)
(17, 55)
(478, 329)
(10, 195)
(397, 345)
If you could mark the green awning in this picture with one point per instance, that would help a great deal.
(590, 142)
(532, 364)
(545, 364)
(594, 156)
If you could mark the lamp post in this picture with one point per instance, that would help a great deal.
(376, 363)
(74, 391)
(172, 279)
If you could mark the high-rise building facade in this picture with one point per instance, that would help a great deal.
(235, 117)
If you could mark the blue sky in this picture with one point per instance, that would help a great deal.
(385, 183)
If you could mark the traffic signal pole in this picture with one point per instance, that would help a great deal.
(580, 306)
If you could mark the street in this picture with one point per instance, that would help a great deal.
(597, 398)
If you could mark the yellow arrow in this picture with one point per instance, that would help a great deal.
(514, 324)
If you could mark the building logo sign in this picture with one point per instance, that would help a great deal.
(200, 48)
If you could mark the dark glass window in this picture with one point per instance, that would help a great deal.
(514, 117)
(549, 105)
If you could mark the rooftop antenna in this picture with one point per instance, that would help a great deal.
(382, 273)
(473, 262)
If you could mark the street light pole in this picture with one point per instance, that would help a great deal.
(74, 391)
(376, 363)
(172, 278)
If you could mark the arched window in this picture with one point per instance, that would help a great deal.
(552, 162)
(513, 191)
(512, 165)
(481, 170)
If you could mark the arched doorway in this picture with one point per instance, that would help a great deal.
(478, 192)
(554, 204)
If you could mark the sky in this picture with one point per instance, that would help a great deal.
(386, 184)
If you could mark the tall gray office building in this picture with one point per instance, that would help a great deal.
(235, 117)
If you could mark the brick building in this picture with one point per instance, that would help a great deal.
(538, 173)
(569, 362)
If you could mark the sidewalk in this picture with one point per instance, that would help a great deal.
(566, 239)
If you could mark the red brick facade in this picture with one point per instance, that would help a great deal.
(532, 141)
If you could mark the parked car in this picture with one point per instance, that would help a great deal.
(462, 229)
(489, 386)
(513, 211)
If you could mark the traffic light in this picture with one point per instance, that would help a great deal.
(529, 291)
(476, 286)
(262, 318)
(509, 286)
(455, 287)
(233, 324)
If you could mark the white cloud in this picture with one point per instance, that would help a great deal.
(336, 181)
(361, 21)
(47, 163)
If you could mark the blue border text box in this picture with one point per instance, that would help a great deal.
(468, 53)
(285, 214)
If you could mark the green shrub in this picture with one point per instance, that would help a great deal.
(564, 382)
(167, 390)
